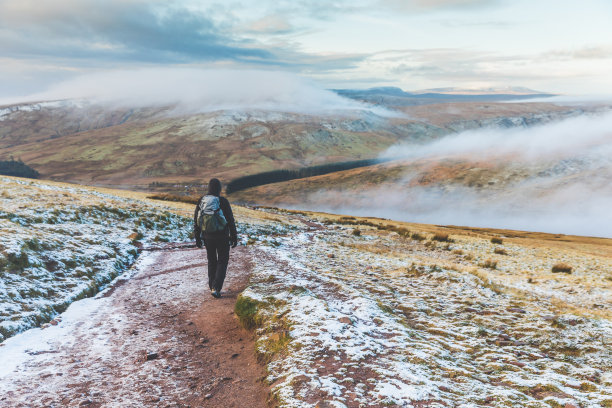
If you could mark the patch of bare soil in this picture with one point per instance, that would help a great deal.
(158, 340)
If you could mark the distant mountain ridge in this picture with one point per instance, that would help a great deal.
(394, 96)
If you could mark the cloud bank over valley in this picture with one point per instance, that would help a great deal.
(553, 178)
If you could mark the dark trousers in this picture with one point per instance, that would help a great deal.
(217, 252)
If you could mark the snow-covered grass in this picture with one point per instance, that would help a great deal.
(381, 319)
(60, 243)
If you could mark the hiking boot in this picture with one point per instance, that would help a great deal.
(213, 292)
(216, 294)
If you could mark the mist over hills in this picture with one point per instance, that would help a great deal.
(551, 177)
(117, 144)
(455, 157)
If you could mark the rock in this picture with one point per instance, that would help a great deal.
(470, 310)
(487, 312)
(208, 396)
(152, 356)
(44, 326)
(331, 255)
(444, 389)
(516, 310)
(534, 356)
(53, 322)
(345, 320)
(235, 355)
(570, 405)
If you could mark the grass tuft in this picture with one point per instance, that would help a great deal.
(417, 237)
(175, 198)
(500, 251)
(561, 267)
(441, 237)
(489, 263)
(246, 310)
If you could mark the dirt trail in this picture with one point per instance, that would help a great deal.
(159, 339)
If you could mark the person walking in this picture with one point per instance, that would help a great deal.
(218, 242)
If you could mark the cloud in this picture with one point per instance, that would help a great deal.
(552, 178)
(428, 5)
(584, 134)
(588, 53)
(127, 30)
(271, 24)
(83, 35)
(573, 208)
(197, 90)
(550, 71)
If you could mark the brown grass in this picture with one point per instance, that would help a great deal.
(417, 237)
(562, 267)
(175, 198)
(489, 264)
(500, 251)
(441, 237)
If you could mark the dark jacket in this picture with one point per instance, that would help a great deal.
(230, 229)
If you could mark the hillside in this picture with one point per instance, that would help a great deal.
(342, 310)
(96, 144)
(552, 177)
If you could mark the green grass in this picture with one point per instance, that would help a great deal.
(246, 309)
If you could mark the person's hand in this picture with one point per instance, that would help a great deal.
(199, 243)
(233, 242)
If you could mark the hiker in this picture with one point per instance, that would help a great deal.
(217, 231)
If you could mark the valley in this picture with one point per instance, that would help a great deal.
(419, 278)
(95, 144)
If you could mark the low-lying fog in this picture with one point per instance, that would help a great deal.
(204, 90)
(568, 189)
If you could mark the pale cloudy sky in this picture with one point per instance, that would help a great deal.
(561, 46)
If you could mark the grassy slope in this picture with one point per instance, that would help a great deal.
(143, 149)
(390, 315)
(135, 147)
(438, 294)
(407, 174)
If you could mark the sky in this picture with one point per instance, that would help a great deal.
(558, 46)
